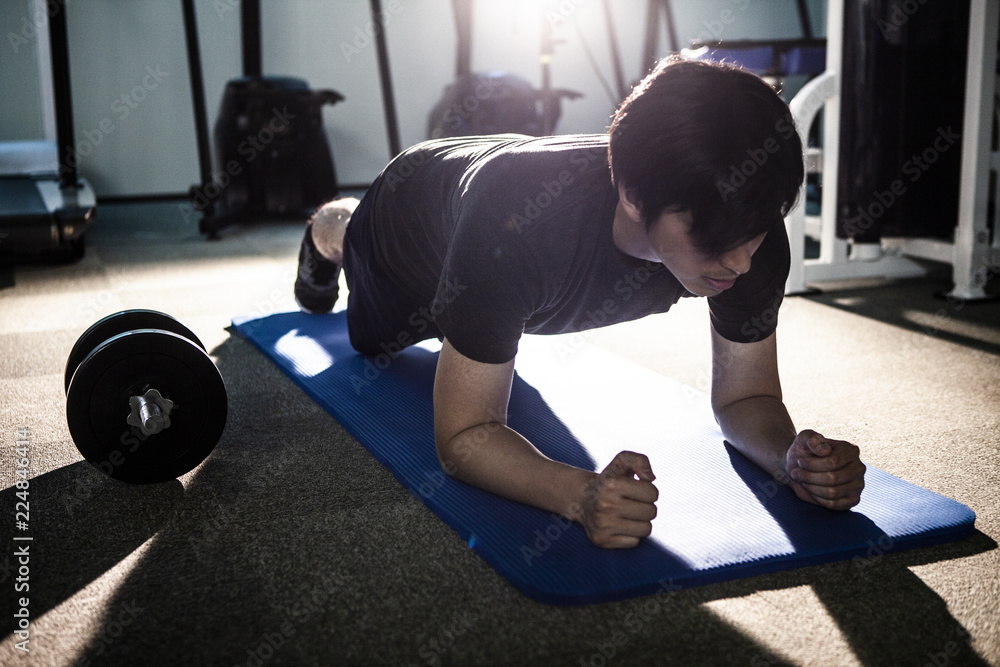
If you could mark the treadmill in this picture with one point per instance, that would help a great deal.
(45, 206)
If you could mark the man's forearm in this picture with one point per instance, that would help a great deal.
(497, 459)
(761, 429)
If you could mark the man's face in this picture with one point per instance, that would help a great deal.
(702, 275)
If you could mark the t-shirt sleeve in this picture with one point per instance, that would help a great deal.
(487, 289)
(748, 311)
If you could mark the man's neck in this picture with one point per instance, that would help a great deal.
(630, 236)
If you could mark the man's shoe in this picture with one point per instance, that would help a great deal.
(317, 282)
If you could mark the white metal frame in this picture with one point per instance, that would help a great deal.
(972, 256)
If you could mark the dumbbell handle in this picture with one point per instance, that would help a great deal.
(150, 415)
(150, 412)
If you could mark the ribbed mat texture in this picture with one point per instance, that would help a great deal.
(719, 516)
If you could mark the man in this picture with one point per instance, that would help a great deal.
(477, 240)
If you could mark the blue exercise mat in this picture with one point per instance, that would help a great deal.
(719, 516)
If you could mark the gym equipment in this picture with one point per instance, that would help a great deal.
(119, 323)
(902, 84)
(274, 157)
(144, 401)
(972, 245)
(495, 102)
(486, 103)
(650, 45)
(720, 516)
(45, 207)
(771, 59)
(278, 121)
(385, 79)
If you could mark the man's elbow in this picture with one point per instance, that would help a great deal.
(721, 406)
(720, 410)
(445, 456)
(456, 452)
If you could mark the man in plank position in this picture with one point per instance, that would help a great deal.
(476, 240)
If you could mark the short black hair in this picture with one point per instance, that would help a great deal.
(712, 139)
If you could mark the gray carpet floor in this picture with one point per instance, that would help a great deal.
(291, 545)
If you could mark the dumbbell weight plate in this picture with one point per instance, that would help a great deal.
(112, 325)
(126, 365)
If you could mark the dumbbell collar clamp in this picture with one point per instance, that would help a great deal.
(150, 412)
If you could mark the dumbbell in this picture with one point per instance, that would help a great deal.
(144, 401)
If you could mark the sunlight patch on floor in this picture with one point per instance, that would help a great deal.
(83, 625)
(766, 618)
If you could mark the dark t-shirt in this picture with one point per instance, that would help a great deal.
(505, 235)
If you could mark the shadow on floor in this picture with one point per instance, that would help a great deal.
(919, 305)
(292, 546)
